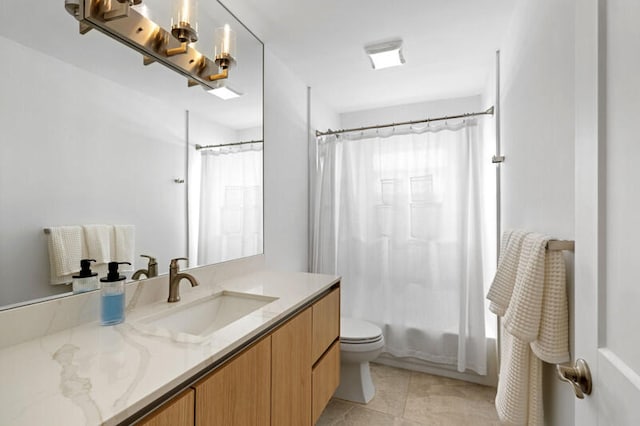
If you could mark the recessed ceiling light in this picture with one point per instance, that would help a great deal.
(385, 55)
(225, 93)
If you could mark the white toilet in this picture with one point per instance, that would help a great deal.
(360, 342)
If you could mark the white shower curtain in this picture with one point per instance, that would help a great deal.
(399, 217)
(230, 207)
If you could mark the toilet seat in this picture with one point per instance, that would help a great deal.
(357, 332)
(362, 347)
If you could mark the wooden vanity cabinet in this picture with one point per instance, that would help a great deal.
(285, 378)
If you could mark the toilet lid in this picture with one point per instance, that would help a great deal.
(357, 331)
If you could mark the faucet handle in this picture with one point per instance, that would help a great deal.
(174, 262)
(152, 260)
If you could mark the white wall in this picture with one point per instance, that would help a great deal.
(537, 99)
(286, 167)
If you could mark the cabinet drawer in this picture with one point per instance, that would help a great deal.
(325, 379)
(177, 412)
(326, 323)
(291, 372)
(239, 393)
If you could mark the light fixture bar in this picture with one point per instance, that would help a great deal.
(126, 25)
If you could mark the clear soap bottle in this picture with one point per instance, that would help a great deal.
(86, 280)
(112, 296)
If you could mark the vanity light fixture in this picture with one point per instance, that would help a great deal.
(225, 93)
(385, 55)
(172, 48)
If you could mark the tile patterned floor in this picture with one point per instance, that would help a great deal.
(409, 398)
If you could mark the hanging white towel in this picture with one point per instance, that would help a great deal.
(552, 343)
(124, 245)
(66, 249)
(519, 394)
(98, 239)
(505, 279)
(535, 317)
(522, 318)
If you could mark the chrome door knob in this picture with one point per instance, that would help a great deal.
(579, 376)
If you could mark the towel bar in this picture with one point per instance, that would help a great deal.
(558, 245)
(47, 231)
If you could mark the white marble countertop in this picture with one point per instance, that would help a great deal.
(91, 375)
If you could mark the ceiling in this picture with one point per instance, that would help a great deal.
(449, 46)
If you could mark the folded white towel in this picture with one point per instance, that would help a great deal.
(66, 249)
(98, 239)
(124, 245)
(505, 279)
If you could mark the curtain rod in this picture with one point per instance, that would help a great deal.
(199, 147)
(404, 123)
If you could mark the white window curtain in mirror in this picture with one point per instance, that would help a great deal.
(230, 208)
(398, 215)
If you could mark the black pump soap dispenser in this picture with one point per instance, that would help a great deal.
(86, 280)
(112, 296)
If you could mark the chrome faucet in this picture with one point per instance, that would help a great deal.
(175, 278)
(150, 272)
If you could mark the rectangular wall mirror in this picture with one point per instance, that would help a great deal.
(91, 136)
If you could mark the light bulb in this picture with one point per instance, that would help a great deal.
(225, 46)
(184, 24)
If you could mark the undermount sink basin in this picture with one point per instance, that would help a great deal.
(203, 317)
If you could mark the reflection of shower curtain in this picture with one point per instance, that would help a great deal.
(230, 217)
(399, 217)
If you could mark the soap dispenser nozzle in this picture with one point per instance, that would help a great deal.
(113, 274)
(85, 269)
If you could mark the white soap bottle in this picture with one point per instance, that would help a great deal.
(86, 280)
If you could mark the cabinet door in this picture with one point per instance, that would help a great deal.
(291, 372)
(177, 412)
(326, 322)
(325, 379)
(239, 393)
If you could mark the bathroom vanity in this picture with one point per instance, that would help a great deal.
(278, 364)
(285, 377)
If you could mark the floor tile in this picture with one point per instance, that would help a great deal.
(360, 416)
(392, 385)
(336, 410)
(439, 400)
(406, 398)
